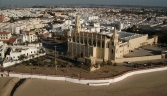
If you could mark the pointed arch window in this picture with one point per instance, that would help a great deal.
(107, 45)
(103, 44)
(90, 42)
(98, 43)
(94, 42)
(112, 43)
(77, 39)
(81, 40)
(85, 40)
(73, 39)
(112, 51)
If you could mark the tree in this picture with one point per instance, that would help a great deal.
(103, 63)
(21, 57)
(38, 60)
(27, 43)
(109, 62)
(69, 54)
(115, 64)
(76, 57)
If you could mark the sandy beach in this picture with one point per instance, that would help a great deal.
(149, 84)
(6, 85)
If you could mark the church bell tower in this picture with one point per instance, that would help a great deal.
(77, 24)
(113, 46)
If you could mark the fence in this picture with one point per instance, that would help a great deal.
(95, 82)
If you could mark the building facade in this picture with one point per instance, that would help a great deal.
(3, 48)
(108, 46)
(5, 35)
(29, 36)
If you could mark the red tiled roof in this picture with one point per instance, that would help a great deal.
(4, 32)
(11, 40)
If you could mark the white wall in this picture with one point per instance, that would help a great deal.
(7, 64)
(100, 82)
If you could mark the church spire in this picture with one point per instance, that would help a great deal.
(115, 33)
(115, 36)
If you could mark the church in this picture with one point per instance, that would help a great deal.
(105, 46)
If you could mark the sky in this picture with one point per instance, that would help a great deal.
(112, 2)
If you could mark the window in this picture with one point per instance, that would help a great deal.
(98, 43)
(77, 39)
(112, 51)
(85, 41)
(73, 39)
(107, 45)
(103, 44)
(90, 42)
(94, 42)
(113, 43)
(81, 40)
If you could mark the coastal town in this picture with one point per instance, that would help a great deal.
(82, 42)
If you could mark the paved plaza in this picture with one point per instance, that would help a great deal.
(145, 51)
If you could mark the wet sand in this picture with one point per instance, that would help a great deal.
(6, 85)
(149, 84)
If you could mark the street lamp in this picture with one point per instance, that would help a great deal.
(55, 59)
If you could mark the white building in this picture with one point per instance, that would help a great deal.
(27, 51)
(3, 48)
(5, 35)
(27, 36)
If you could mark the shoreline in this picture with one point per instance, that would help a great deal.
(149, 84)
(138, 81)
(88, 81)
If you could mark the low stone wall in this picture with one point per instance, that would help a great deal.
(91, 82)
(133, 59)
